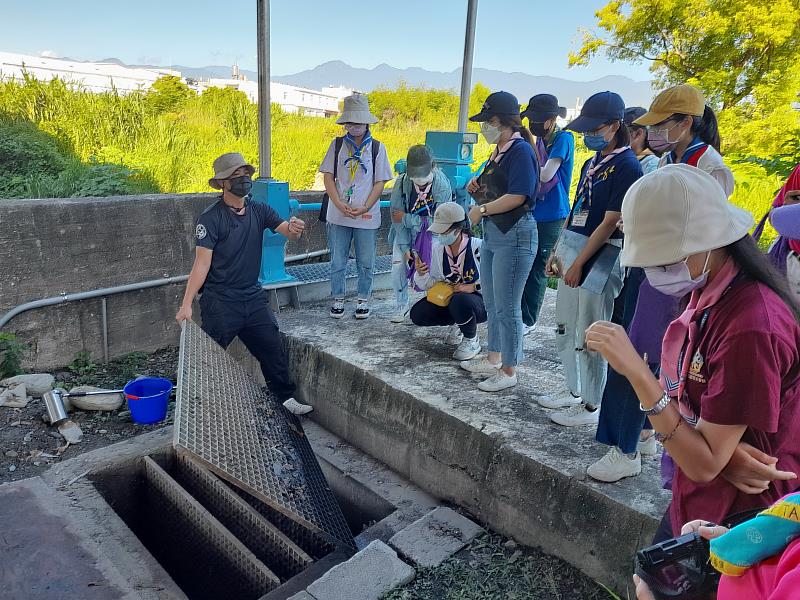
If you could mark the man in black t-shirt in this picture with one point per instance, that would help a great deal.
(226, 268)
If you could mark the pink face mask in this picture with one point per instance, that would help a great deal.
(355, 129)
(676, 280)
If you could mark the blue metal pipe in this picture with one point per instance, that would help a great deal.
(318, 205)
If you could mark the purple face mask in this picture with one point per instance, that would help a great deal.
(676, 280)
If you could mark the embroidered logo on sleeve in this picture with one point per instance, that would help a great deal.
(200, 232)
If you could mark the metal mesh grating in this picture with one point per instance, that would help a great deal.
(260, 536)
(186, 519)
(243, 434)
(316, 272)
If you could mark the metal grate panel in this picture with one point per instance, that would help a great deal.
(316, 272)
(224, 419)
(185, 517)
(260, 536)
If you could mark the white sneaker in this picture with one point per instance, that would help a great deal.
(498, 382)
(615, 466)
(468, 348)
(454, 336)
(480, 366)
(294, 407)
(362, 309)
(575, 416)
(400, 314)
(526, 329)
(562, 402)
(337, 309)
(648, 447)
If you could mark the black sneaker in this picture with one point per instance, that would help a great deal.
(337, 310)
(362, 310)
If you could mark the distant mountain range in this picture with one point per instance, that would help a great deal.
(522, 85)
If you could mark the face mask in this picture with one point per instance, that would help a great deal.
(538, 129)
(490, 133)
(446, 239)
(595, 141)
(423, 181)
(676, 280)
(241, 186)
(355, 129)
(658, 139)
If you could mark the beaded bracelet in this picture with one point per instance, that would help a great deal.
(665, 438)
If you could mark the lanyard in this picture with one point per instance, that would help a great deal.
(587, 182)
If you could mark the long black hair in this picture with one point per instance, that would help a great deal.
(622, 137)
(704, 127)
(515, 122)
(756, 266)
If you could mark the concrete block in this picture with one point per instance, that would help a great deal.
(435, 537)
(369, 575)
(302, 596)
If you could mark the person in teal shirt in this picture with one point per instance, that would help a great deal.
(556, 149)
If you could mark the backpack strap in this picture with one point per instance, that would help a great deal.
(376, 146)
(337, 147)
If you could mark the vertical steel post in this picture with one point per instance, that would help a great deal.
(466, 66)
(264, 113)
(104, 318)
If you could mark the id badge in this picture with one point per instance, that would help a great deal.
(579, 219)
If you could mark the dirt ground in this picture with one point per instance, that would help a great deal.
(28, 445)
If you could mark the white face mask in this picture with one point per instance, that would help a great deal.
(356, 129)
(422, 181)
(676, 279)
(491, 133)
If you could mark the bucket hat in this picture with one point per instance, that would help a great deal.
(676, 211)
(682, 99)
(225, 165)
(447, 215)
(356, 110)
(598, 109)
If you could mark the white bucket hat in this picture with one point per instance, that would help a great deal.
(356, 110)
(676, 211)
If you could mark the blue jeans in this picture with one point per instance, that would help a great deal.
(340, 239)
(506, 260)
(399, 277)
(533, 296)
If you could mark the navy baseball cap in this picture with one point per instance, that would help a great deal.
(497, 104)
(598, 109)
(542, 107)
(631, 114)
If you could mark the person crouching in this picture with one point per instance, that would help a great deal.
(452, 280)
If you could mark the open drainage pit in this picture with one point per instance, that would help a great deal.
(217, 541)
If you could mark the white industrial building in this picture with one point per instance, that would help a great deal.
(104, 77)
(92, 76)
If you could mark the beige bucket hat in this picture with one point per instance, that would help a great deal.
(674, 212)
(225, 165)
(447, 215)
(356, 110)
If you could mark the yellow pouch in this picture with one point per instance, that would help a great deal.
(440, 293)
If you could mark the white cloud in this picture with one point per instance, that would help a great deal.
(49, 54)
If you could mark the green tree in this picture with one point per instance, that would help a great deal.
(742, 53)
(168, 93)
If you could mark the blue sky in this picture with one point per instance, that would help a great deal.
(532, 36)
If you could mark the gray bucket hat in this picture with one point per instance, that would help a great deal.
(225, 166)
(356, 110)
(419, 162)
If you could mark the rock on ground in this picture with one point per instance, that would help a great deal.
(36, 383)
(106, 402)
(71, 432)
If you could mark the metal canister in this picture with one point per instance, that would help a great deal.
(55, 407)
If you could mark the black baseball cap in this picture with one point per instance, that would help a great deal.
(598, 109)
(633, 113)
(542, 107)
(419, 161)
(497, 104)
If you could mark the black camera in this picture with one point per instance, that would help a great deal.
(678, 568)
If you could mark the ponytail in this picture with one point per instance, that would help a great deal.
(515, 122)
(706, 129)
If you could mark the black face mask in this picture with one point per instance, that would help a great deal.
(537, 128)
(241, 186)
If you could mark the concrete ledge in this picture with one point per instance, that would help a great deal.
(394, 392)
(435, 537)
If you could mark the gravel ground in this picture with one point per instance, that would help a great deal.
(28, 445)
(494, 568)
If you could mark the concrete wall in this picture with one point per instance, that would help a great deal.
(50, 247)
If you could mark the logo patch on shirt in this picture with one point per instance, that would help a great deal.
(695, 369)
(200, 232)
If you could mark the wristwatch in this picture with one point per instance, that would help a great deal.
(658, 407)
(482, 209)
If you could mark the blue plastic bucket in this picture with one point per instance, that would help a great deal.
(147, 399)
